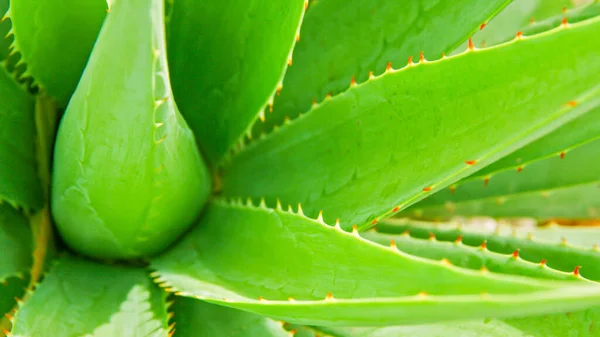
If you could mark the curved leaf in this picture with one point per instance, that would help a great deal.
(540, 183)
(303, 271)
(570, 135)
(340, 41)
(569, 203)
(227, 59)
(80, 298)
(563, 252)
(393, 140)
(15, 243)
(530, 17)
(195, 318)
(19, 184)
(16, 258)
(4, 30)
(470, 257)
(581, 324)
(56, 56)
(123, 151)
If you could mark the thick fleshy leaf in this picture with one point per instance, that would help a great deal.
(581, 324)
(303, 271)
(16, 257)
(528, 16)
(126, 164)
(196, 318)
(4, 29)
(543, 183)
(15, 243)
(466, 256)
(566, 204)
(562, 250)
(19, 183)
(55, 56)
(570, 135)
(341, 40)
(227, 60)
(393, 140)
(80, 298)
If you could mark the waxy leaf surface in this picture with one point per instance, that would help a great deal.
(80, 298)
(563, 249)
(303, 271)
(126, 165)
(393, 140)
(55, 39)
(340, 39)
(561, 186)
(227, 59)
(19, 184)
(196, 318)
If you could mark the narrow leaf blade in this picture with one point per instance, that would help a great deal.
(560, 249)
(56, 56)
(19, 184)
(227, 59)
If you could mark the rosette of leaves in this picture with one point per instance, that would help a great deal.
(227, 168)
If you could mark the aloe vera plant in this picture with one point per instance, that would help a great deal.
(226, 168)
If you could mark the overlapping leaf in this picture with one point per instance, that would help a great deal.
(566, 185)
(393, 140)
(562, 250)
(80, 298)
(461, 255)
(195, 318)
(570, 135)
(56, 55)
(16, 252)
(304, 271)
(581, 324)
(227, 60)
(19, 183)
(341, 40)
(4, 29)
(531, 16)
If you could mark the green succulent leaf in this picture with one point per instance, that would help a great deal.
(56, 55)
(393, 140)
(571, 15)
(470, 257)
(579, 202)
(566, 185)
(4, 30)
(16, 252)
(562, 249)
(123, 152)
(303, 271)
(569, 136)
(195, 318)
(15, 243)
(80, 298)
(341, 40)
(581, 324)
(530, 17)
(227, 61)
(19, 184)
